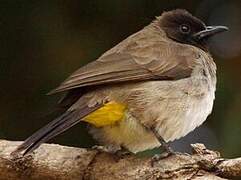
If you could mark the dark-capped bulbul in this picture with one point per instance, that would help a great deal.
(155, 86)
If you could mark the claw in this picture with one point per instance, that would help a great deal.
(103, 149)
(123, 153)
(158, 157)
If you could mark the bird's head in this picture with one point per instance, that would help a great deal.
(183, 27)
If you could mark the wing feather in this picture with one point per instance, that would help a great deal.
(161, 61)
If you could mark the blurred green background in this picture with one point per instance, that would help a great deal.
(42, 42)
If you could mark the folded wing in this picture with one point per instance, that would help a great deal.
(154, 63)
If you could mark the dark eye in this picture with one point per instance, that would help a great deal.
(184, 28)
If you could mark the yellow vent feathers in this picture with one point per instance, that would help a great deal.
(109, 114)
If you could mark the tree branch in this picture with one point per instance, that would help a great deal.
(52, 161)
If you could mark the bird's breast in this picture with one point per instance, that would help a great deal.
(185, 107)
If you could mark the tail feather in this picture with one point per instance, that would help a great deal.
(52, 129)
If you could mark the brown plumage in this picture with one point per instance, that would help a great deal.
(143, 61)
(164, 76)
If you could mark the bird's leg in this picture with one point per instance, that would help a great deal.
(168, 150)
(164, 144)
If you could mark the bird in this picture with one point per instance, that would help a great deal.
(152, 88)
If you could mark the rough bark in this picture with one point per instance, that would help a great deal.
(52, 161)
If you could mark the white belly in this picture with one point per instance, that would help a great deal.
(183, 115)
(174, 108)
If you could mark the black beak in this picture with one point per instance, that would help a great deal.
(209, 31)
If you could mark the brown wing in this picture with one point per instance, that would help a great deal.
(160, 61)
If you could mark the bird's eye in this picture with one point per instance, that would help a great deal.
(184, 28)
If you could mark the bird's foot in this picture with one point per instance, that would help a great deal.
(123, 153)
(158, 157)
(163, 155)
(118, 153)
(167, 153)
(101, 149)
(106, 149)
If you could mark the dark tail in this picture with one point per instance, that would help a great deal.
(52, 129)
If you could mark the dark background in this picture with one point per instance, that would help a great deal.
(42, 42)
